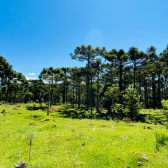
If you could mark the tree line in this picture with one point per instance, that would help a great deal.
(110, 80)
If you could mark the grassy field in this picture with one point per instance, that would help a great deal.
(69, 141)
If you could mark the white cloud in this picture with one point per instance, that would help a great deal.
(28, 78)
(31, 73)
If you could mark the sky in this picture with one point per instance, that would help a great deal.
(37, 34)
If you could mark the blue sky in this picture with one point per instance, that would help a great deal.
(41, 33)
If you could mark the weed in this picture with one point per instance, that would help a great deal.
(31, 136)
(144, 126)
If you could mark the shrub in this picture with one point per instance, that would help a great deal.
(28, 97)
(110, 98)
(118, 108)
(165, 107)
(165, 104)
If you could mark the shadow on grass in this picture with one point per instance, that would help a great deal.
(82, 114)
(31, 108)
(35, 117)
(150, 118)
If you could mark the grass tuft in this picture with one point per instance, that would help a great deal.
(166, 124)
(161, 139)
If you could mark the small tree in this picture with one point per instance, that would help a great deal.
(111, 96)
(165, 108)
(28, 97)
(132, 101)
(46, 76)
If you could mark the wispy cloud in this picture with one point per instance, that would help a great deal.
(31, 73)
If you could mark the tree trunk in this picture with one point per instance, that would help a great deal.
(134, 73)
(51, 93)
(79, 93)
(48, 99)
(153, 91)
(73, 95)
(140, 85)
(147, 97)
(87, 83)
(15, 97)
(7, 91)
(120, 83)
(76, 101)
(11, 97)
(165, 90)
(162, 89)
(159, 98)
(64, 93)
(91, 96)
(98, 91)
(145, 94)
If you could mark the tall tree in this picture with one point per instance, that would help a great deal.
(136, 58)
(87, 53)
(152, 57)
(119, 59)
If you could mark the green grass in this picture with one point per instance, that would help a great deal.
(78, 142)
(161, 139)
(152, 116)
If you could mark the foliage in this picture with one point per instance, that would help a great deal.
(28, 97)
(132, 102)
(166, 124)
(94, 85)
(111, 97)
(118, 107)
(165, 104)
(165, 107)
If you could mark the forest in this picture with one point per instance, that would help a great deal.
(111, 113)
(117, 81)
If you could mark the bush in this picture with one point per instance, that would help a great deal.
(110, 98)
(28, 97)
(165, 104)
(118, 108)
(165, 107)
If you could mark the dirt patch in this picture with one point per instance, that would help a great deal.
(128, 120)
(55, 109)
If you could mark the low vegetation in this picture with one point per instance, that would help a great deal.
(71, 137)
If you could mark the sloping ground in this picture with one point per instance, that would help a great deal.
(65, 142)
